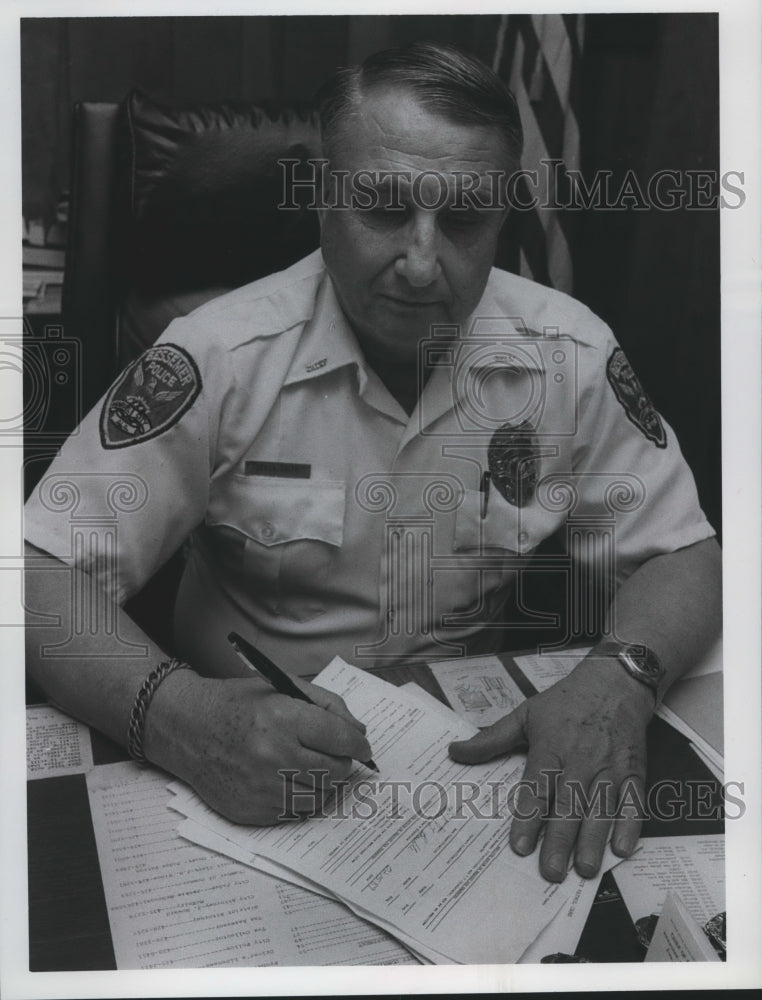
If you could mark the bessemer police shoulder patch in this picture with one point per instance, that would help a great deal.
(631, 394)
(149, 397)
(513, 462)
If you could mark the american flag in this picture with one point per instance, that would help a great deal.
(540, 56)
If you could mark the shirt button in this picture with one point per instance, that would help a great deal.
(523, 536)
(267, 530)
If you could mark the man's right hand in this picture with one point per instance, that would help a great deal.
(233, 740)
(237, 744)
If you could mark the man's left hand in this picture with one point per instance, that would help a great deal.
(586, 739)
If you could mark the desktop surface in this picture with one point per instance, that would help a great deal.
(68, 917)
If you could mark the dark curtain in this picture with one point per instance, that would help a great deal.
(651, 103)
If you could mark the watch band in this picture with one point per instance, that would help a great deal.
(638, 660)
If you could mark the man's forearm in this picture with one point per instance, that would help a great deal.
(673, 604)
(99, 684)
(114, 657)
(229, 737)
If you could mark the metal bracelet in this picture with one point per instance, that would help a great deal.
(140, 708)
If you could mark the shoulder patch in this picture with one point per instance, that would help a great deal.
(513, 462)
(631, 394)
(149, 397)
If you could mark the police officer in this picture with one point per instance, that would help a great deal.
(361, 448)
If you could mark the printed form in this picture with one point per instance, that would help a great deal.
(677, 937)
(479, 688)
(55, 744)
(421, 848)
(173, 904)
(692, 867)
(564, 931)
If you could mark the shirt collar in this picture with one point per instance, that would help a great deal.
(494, 341)
(327, 341)
(489, 340)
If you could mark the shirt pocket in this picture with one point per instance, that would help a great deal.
(292, 532)
(503, 527)
(489, 546)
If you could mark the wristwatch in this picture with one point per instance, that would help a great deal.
(638, 660)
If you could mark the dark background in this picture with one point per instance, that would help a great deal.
(649, 102)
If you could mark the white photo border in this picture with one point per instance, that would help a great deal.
(740, 23)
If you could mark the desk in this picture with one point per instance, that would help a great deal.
(68, 920)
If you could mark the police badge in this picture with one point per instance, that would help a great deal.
(512, 457)
(631, 394)
(149, 396)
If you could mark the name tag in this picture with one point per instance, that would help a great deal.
(281, 470)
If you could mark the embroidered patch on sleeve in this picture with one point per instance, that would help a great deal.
(513, 462)
(149, 397)
(631, 394)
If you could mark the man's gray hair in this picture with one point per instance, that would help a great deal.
(447, 82)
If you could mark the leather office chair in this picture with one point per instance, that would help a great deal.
(168, 209)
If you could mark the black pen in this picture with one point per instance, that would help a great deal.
(255, 659)
(484, 490)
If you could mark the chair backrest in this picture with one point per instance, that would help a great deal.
(89, 301)
(171, 207)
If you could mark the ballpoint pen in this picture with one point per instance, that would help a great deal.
(484, 486)
(255, 659)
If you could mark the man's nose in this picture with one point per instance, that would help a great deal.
(419, 261)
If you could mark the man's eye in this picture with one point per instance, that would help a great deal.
(384, 215)
(462, 219)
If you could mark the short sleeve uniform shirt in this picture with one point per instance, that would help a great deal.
(322, 518)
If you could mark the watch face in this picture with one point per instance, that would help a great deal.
(642, 662)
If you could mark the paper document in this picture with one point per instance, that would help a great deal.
(361, 943)
(542, 670)
(173, 904)
(478, 688)
(564, 931)
(677, 937)
(421, 848)
(693, 867)
(427, 700)
(693, 706)
(55, 744)
(710, 662)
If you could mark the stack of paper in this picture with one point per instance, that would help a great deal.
(692, 868)
(421, 849)
(677, 937)
(694, 707)
(173, 904)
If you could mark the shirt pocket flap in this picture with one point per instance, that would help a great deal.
(273, 511)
